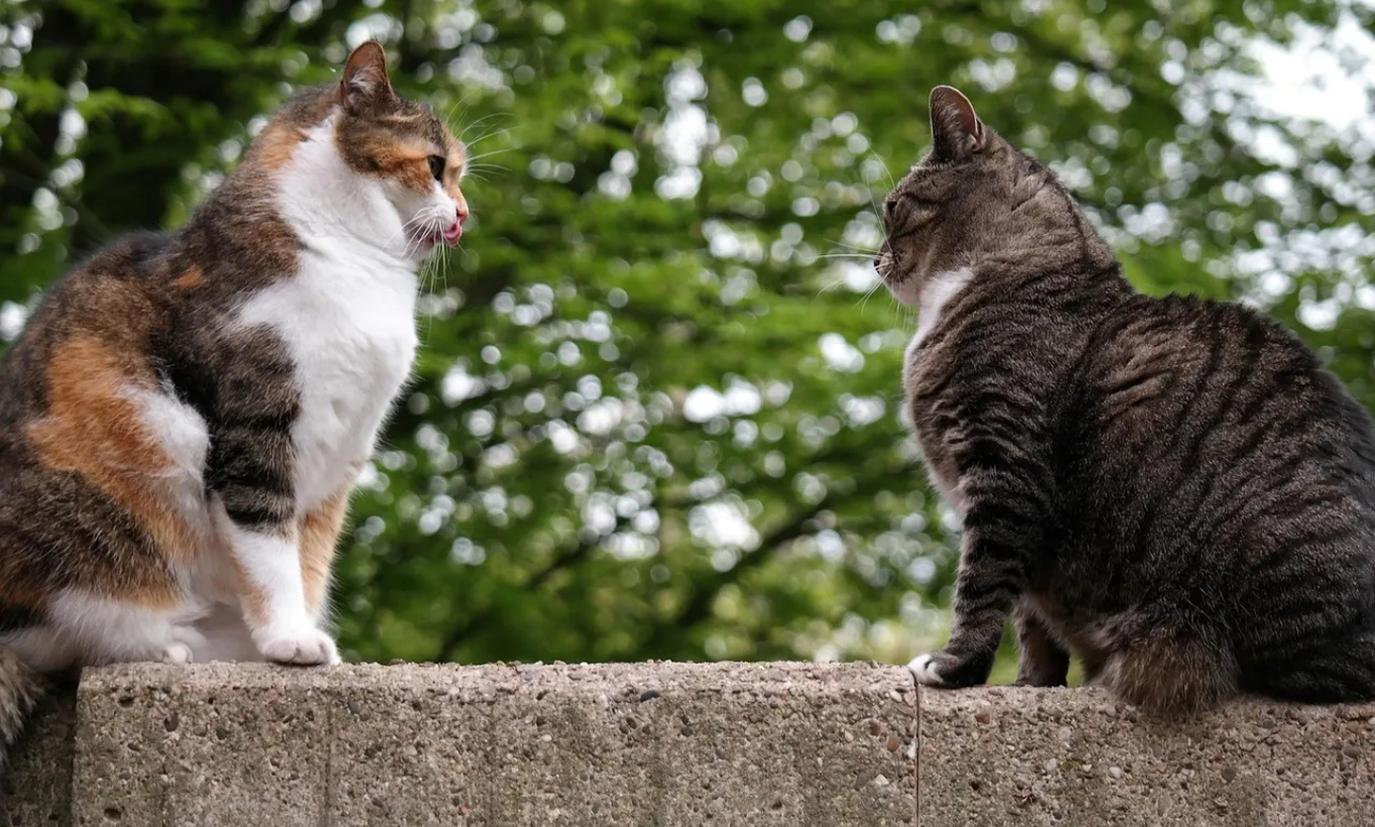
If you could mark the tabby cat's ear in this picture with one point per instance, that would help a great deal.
(365, 84)
(956, 131)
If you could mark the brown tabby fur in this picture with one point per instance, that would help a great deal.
(1173, 490)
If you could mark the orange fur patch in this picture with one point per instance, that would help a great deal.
(15, 594)
(274, 146)
(406, 164)
(193, 277)
(320, 531)
(95, 430)
(252, 599)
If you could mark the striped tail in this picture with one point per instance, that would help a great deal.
(20, 689)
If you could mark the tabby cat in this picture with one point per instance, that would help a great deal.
(184, 416)
(1173, 490)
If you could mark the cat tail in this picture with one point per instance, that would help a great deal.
(1169, 670)
(20, 689)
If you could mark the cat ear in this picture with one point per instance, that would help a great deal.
(365, 83)
(956, 131)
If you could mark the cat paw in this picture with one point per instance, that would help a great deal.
(950, 671)
(303, 646)
(182, 647)
(177, 653)
(923, 668)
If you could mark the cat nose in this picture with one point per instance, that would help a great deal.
(462, 213)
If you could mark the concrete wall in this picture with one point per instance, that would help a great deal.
(663, 743)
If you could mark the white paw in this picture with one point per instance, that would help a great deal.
(178, 653)
(923, 668)
(181, 649)
(300, 646)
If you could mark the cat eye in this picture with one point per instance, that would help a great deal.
(909, 207)
(437, 167)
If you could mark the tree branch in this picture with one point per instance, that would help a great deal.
(569, 557)
(698, 607)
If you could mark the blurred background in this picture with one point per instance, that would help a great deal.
(656, 412)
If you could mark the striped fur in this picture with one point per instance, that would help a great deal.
(1174, 490)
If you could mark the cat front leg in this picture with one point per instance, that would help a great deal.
(251, 477)
(985, 589)
(320, 531)
(273, 596)
(1002, 531)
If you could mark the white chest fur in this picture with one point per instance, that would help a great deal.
(348, 320)
(347, 315)
(935, 295)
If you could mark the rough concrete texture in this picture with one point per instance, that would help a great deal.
(1013, 756)
(36, 787)
(654, 743)
(663, 743)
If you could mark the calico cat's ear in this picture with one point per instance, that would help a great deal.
(365, 84)
(956, 131)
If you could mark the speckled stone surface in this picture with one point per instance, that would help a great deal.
(654, 743)
(1014, 756)
(662, 743)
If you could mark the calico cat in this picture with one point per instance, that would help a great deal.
(184, 416)
(1174, 490)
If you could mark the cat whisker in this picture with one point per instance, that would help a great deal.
(424, 216)
(479, 122)
(486, 168)
(485, 175)
(478, 157)
(448, 120)
(474, 124)
(493, 134)
(864, 302)
(829, 287)
(873, 205)
(891, 182)
(856, 247)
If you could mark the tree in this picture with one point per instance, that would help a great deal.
(656, 415)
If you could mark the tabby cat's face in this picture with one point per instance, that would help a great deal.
(973, 197)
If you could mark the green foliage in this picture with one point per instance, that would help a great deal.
(656, 415)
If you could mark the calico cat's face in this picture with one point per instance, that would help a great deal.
(973, 198)
(404, 147)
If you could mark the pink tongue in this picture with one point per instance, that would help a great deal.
(453, 234)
